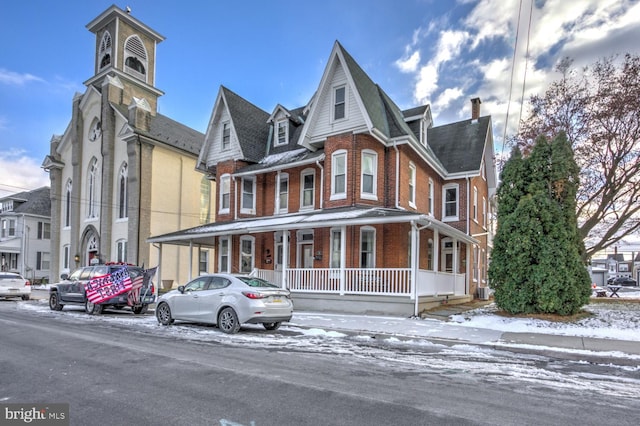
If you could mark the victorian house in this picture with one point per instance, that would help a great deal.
(122, 171)
(350, 202)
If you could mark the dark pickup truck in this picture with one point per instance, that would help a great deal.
(72, 290)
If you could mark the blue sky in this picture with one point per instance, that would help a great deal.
(419, 51)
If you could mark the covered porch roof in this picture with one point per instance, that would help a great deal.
(204, 235)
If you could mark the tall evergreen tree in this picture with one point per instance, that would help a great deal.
(536, 263)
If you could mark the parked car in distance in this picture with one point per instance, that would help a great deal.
(624, 281)
(14, 285)
(72, 290)
(227, 301)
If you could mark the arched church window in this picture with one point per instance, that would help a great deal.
(135, 54)
(104, 53)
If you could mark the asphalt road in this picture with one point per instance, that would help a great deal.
(119, 374)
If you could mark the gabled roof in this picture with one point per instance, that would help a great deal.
(250, 125)
(460, 146)
(36, 202)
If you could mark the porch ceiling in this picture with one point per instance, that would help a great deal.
(204, 235)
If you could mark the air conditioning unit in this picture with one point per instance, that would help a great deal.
(483, 293)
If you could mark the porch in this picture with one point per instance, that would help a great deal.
(387, 291)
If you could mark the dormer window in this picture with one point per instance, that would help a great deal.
(135, 62)
(282, 136)
(104, 53)
(339, 102)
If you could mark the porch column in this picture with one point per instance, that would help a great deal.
(190, 259)
(415, 247)
(436, 250)
(343, 258)
(159, 270)
(285, 258)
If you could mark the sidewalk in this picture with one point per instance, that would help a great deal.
(449, 333)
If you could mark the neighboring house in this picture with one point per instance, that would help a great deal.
(25, 239)
(352, 203)
(121, 171)
(618, 267)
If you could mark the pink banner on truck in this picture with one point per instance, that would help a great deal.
(107, 286)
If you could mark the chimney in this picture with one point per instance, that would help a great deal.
(475, 108)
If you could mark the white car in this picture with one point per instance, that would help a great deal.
(13, 285)
(227, 301)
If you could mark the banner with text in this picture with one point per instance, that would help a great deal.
(107, 286)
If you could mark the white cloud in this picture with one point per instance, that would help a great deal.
(447, 97)
(18, 173)
(449, 45)
(409, 64)
(16, 79)
(427, 83)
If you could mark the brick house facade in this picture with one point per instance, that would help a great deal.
(352, 203)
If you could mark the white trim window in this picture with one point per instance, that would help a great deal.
(450, 202)
(92, 189)
(226, 136)
(224, 248)
(368, 247)
(282, 195)
(307, 188)
(247, 255)
(67, 205)
(339, 175)
(282, 133)
(121, 251)
(248, 200)
(369, 175)
(431, 197)
(225, 194)
(43, 260)
(123, 180)
(475, 204)
(205, 200)
(66, 250)
(412, 185)
(339, 103)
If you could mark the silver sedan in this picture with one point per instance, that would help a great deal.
(227, 301)
(14, 285)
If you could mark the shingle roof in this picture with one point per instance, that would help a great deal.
(168, 131)
(36, 202)
(250, 124)
(460, 146)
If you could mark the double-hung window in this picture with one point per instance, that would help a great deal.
(246, 254)
(226, 136)
(225, 193)
(307, 189)
(248, 195)
(450, 198)
(367, 247)
(339, 175)
(412, 185)
(369, 175)
(283, 193)
(339, 103)
(282, 136)
(431, 197)
(223, 254)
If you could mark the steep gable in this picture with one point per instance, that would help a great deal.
(248, 126)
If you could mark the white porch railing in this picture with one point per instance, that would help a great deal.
(375, 281)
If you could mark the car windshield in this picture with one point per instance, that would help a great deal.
(256, 282)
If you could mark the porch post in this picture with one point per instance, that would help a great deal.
(285, 258)
(436, 250)
(415, 247)
(190, 259)
(343, 258)
(159, 270)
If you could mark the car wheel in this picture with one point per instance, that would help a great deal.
(228, 321)
(54, 302)
(25, 297)
(139, 310)
(92, 308)
(163, 314)
(271, 325)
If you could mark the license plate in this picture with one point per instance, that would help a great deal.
(275, 300)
